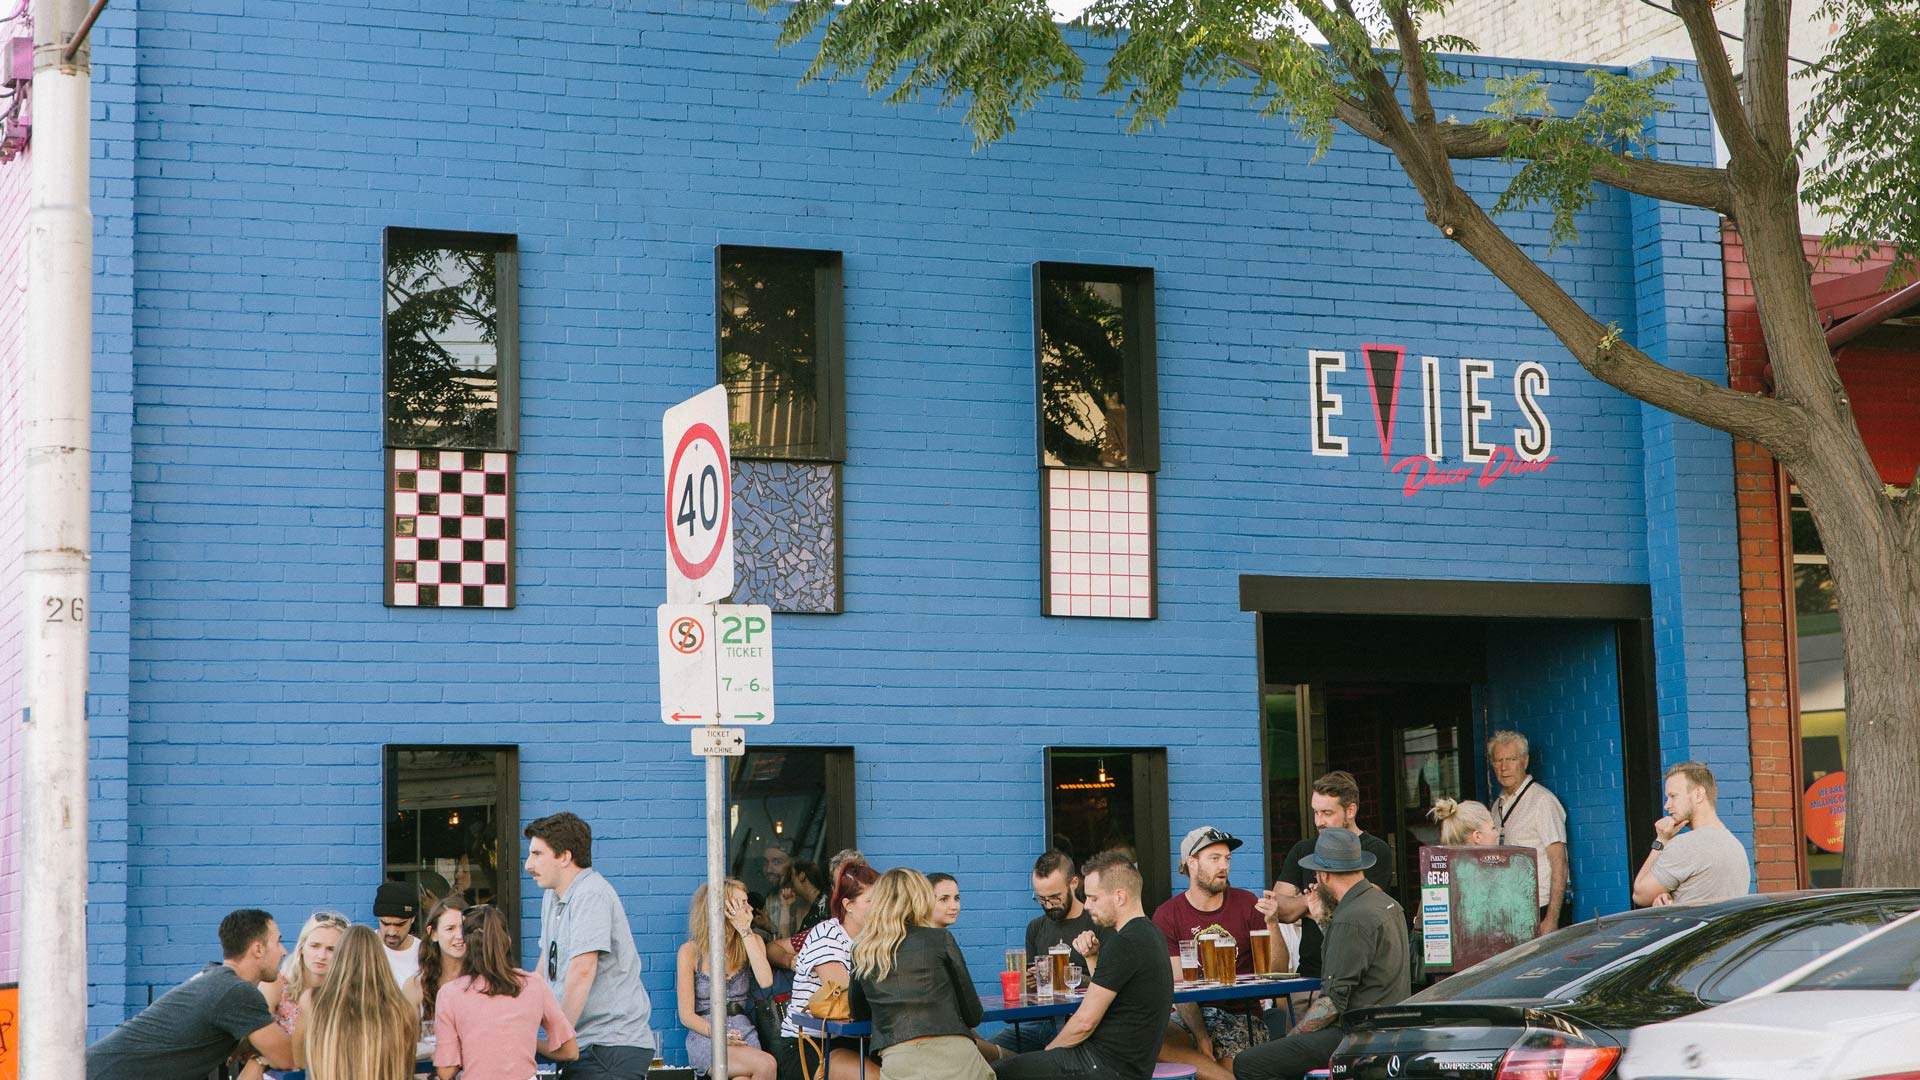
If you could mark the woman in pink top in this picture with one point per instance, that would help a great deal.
(488, 1021)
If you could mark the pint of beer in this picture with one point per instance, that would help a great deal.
(1226, 959)
(1058, 957)
(1261, 944)
(1190, 961)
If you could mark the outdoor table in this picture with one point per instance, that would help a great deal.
(1246, 988)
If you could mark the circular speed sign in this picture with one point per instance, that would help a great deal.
(699, 501)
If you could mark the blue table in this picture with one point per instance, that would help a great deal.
(1249, 988)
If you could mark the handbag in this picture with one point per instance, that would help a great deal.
(830, 1002)
(764, 1011)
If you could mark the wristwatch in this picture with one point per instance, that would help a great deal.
(1659, 845)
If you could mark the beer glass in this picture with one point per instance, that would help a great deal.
(1016, 958)
(1226, 957)
(1190, 961)
(1059, 958)
(1209, 967)
(1043, 982)
(1260, 942)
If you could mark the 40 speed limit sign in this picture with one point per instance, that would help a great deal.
(699, 472)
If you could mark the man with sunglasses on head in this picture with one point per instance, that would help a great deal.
(587, 954)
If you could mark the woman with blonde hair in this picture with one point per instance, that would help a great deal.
(693, 986)
(306, 966)
(357, 1025)
(911, 981)
(442, 951)
(1468, 824)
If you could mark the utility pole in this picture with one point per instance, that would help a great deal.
(58, 480)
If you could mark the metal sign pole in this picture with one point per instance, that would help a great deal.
(716, 911)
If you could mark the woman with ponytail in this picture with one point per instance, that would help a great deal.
(1465, 824)
(489, 1019)
(356, 1025)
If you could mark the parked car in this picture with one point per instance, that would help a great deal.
(1854, 1015)
(1563, 1005)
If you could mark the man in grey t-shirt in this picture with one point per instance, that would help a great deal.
(587, 954)
(1702, 865)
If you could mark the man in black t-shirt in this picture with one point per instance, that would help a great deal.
(1336, 805)
(197, 1025)
(1063, 919)
(1115, 1033)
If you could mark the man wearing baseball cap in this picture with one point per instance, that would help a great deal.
(1208, 1038)
(396, 907)
(1364, 961)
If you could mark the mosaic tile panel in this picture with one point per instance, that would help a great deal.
(1099, 543)
(786, 535)
(449, 528)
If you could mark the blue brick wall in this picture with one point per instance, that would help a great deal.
(621, 146)
(1693, 547)
(1558, 683)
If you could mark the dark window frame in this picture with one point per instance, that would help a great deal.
(829, 343)
(1149, 764)
(840, 776)
(506, 283)
(1141, 379)
(506, 815)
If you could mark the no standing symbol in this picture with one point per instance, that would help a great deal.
(686, 636)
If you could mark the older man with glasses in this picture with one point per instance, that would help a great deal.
(1063, 920)
(1531, 816)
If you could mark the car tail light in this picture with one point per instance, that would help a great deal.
(1557, 1062)
(1894, 1076)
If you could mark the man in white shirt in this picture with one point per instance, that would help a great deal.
(396, 907)
(1704, 863)
(1531, 816)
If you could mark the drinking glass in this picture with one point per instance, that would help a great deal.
(1189, 961)
(1016, 958)
(1075, 976)
(1043, 982)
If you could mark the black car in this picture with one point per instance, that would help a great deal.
(1562, 1006)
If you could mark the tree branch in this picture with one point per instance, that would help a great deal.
(1767, 27)
(1693, 185)
(1777, 425)
(1413, 64)
(1716, 71)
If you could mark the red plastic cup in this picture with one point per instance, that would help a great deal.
(1010, 986)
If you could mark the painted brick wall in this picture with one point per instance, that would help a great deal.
(621, 147)
(1558, 683)
(14, 178)
(1692, 537)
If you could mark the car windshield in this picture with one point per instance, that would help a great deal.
(1542, 966)
(1890, 961)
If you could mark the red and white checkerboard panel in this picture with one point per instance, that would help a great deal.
(450, 530)
(1100, 543)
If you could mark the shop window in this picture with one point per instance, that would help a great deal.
(1822, 702)
(1104, 798)
(1098, 417)
(787, 803)
(451, 415)
(780, 355)
(452, 823)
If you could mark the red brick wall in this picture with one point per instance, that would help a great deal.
(1765, 592)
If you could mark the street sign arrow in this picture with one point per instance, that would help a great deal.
(686, 640)
(743, 662)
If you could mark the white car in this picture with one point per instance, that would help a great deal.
(1851, 1015)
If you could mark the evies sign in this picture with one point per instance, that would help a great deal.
(1466, 397)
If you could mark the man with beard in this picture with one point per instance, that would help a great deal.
(1336, 805)
(1364, 964)
(396, 907)
(1063, 919)
(1209, 1037)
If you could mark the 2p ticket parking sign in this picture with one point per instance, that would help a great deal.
(716, 663)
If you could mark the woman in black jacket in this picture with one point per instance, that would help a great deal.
(911, 981)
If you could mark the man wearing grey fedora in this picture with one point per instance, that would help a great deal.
(1364, 961)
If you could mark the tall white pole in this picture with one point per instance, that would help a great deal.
(716, 910)
(58, 414)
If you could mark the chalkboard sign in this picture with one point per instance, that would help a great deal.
(1475, 902)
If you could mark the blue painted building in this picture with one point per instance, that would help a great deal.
(1373, 510)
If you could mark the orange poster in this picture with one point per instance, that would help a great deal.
(1826, 812)
(9, 1031)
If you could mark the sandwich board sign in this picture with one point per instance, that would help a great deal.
(699, 503)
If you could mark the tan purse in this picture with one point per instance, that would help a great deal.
(830, 1002)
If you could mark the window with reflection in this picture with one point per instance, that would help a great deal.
(1107, 797)
(1096, 366)
(1822, 701)
(779, 346)
(452, 823)
(451, 340)
(787, 804)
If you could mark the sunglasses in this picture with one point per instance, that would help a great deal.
(330, 918)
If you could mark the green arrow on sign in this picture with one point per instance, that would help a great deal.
(750, 716)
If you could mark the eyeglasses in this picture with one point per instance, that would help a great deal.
(1050, 899)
